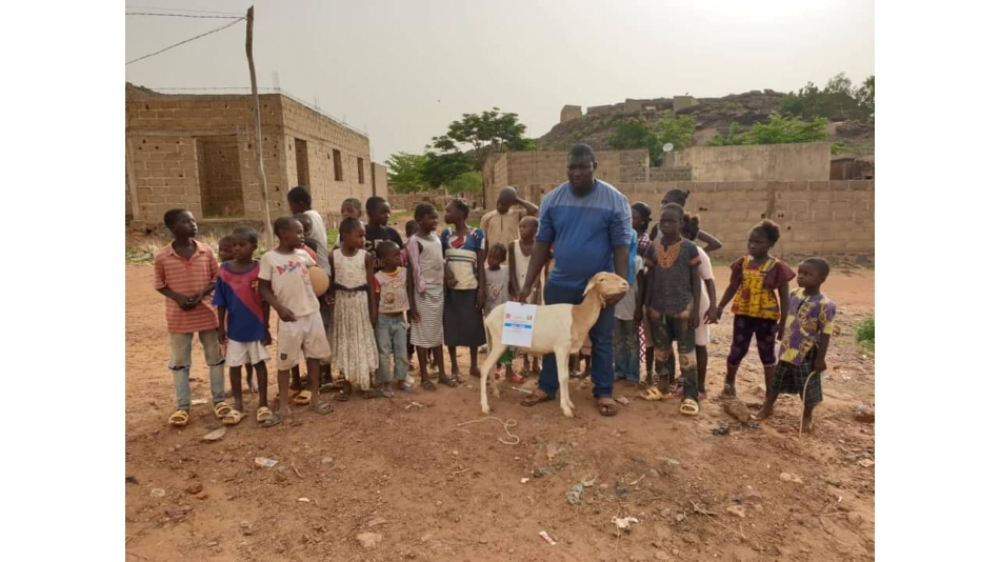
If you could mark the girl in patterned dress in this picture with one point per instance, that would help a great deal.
(425, 255)
(759, 311)
(641, 217)
(353, 314)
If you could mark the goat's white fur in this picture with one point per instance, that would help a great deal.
(559, 328)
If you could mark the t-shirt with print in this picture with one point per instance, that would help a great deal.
(375, 235)
(239, 292)
(318, 234)
(390, 289)
(669, 289)
(625, 309)
(584, 231)
(497, 287)
(809, 317)
(290, 280)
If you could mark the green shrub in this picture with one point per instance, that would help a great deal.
(865, 331)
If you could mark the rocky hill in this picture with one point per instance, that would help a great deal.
(711, 115)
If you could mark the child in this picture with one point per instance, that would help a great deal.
(520, 255)
(689, 230)
(497, 294)
(411, 229)
(628, 313)
(349, 208)
(226, 254)
(392, 289)
(185, 272)
(325, 370)
(465, 292)
(673, 300)
(300, 202)
(286, 286)
(243, 322)
(376, 230)
(758, 311)
(708, 310)
(680, 196)
(641, 216)
(806, 339)
(427, 273)
(353, 310)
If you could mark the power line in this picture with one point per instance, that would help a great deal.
(175, 9)
(216, 30)
(181, 15)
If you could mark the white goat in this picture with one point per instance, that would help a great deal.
(559, 328)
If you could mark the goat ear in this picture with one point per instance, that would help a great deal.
(590, 285)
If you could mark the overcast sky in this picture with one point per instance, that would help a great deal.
(402, 70)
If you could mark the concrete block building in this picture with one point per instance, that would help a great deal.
(197, 152)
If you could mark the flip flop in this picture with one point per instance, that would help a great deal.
(321, 408)
(292, 393)
(407, 387)
(536, 399)
(179, 418)
(342, 396)
(263, 414)
(428, 386)
(653, 394)
(222, 409)
(690, 407)
(450, 383)
(272, 421)
(233, 417)
(517, 379)
(303, 399)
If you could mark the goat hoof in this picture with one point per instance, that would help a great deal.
(496, 392)
(568, 412)
(486, 410)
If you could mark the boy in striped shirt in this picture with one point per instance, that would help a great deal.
(185, 272)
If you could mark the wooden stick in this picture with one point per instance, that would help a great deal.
(257, 134)
(805, 388)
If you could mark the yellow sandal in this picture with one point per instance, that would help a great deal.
(179, 418)
(222, 409)
(652, 394)
(233, 417)
(263, 414)
(303, 399)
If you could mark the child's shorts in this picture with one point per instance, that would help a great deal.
(304, 336)
(240, 353)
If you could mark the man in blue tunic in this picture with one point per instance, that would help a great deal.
(588, 225)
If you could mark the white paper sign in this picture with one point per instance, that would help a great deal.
(518, 324)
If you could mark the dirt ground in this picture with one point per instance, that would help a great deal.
(417, 482)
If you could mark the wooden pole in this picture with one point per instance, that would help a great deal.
(257, 134)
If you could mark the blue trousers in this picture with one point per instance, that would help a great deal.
(602, 372)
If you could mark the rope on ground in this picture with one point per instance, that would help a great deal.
(506, 427)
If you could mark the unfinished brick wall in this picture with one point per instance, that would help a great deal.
(162, 138)
(825, 218)
(322, 137)
(380, 179)
(219, 175)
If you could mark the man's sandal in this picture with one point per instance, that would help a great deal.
(304, 398)
(222, 409)
(690, 407)
(607, 406)
(428, 385)
(233, 417)
(449, 382)
(538, 397)
(179, 418)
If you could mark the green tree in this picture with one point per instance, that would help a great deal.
(778, 130)
(487, 132)
(439, 169)
(677, 131)
(469, 182)
(865, 95)
(837, 100)
(406, 172)
(635, 133)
